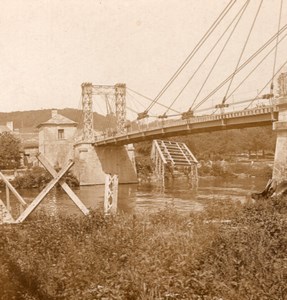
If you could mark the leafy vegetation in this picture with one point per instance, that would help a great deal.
(9, 151)
(38, 177)
(219, 146)
(163, 255)
(224, 144)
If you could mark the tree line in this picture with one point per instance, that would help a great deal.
(215, 145)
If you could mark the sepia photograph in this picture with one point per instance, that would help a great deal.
(143, 150)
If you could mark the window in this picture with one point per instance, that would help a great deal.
(61, 134)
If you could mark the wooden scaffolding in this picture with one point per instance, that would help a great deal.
(169, 155)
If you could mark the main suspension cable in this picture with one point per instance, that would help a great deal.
(270, 51)
(193, 52)
(276, 49)
(208, 54)
(275, 74)
(243, 65)
(222, 50)
(158, 103)
(242, 51)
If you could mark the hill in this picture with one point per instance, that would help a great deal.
(28, 120)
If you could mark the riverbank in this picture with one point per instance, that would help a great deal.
(38, 177)
(35, 177)
(218, 168)
(162, 255)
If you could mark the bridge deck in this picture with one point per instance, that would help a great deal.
(232, 120)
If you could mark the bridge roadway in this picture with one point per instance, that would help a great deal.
(254, 117)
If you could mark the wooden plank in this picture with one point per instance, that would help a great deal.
(159, 151)
(12, 189)
(63, 184)
(190, 153)
(44, 192)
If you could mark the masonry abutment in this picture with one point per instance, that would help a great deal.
(280, 160)
(93, 163)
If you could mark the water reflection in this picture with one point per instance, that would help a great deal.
(149, 197)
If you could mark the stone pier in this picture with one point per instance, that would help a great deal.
(280, 159)
(93, 163)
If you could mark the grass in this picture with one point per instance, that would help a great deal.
(162, 255)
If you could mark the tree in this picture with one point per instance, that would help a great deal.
(260, 139)
(9, 151)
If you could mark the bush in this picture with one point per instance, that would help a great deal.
(9, 151)
(143, 166)
(38, 177)
(162, 255)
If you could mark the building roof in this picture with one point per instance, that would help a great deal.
(57, 119)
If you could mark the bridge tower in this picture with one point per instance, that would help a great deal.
(280, 159)
(120, 99)
(92, 163)
(87, 104)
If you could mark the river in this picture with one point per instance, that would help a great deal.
(135, 198)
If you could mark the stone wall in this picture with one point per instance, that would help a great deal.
(57, 148)
(93, 163)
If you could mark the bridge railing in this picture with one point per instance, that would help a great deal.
(137, 127)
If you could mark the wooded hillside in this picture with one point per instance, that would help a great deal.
(30, 119)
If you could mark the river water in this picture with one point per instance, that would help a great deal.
(135, 198)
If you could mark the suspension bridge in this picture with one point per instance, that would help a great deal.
(209, 108)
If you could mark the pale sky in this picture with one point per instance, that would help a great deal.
(49, 47)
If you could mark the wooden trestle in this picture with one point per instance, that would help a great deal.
(25, 210)
(167, 155)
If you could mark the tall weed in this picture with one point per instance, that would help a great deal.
(162, 255)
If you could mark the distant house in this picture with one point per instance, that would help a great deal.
(30, 145)
(56, 139)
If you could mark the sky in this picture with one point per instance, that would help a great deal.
(50, 47)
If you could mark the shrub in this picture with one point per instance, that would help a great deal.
(162, 255)
(38, 177)
(9, 151)
(143, 166)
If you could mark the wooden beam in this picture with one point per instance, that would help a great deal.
(44, 192)
(63, 184)
(12, 189)
(8, 205)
